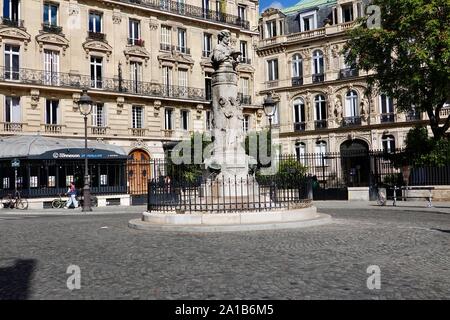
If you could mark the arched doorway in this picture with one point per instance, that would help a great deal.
(138, 172)
(355, 162)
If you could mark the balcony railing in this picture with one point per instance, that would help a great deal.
(299, 126)
(387, 117)
(192, 11)
(168, 133)
(96, 36)
(320, 124)
(53, 128)
(246, 60)
(297, 81)
(412, 116)
(348, 73)
(12, 126)
(272, 84)
(77, 81)
(206, 53)
(184, 50)
(51, 28)
(138, 132)
(245, 99)
(166, 47)
(351, 121)
(12, 22)
(136, 42)
(99, 131)
(320, 77)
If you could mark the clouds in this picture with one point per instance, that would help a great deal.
(275, 4)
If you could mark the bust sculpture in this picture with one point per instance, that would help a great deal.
(223, 54)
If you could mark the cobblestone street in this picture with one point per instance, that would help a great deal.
(326, 262)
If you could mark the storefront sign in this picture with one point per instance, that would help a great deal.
(78, 153)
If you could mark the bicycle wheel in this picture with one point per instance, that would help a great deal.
(22, 204)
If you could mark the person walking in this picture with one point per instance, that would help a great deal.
(72, 193)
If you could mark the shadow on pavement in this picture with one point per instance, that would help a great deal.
(15, 280)
(441, 230)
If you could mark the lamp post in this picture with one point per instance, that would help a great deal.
(269, 110)
(85, 105)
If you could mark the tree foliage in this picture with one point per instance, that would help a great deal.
(409, 55)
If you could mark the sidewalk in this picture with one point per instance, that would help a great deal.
(440, 207)
(67, 212)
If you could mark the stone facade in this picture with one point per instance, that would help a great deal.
(144, 63)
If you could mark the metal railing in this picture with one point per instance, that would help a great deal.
(351, 121)
(245, 99)
(77, 81)
(96, 36)
(297, 81)
(46, 27)
(387, 117)
(183, 50)
(348, 73)
(136, 42)
(17, 23)
(246, 60)
(412, 116)
(192, 11)
(320, 77)
(320, 124)
(206, 53)
(300, 126)
(166, 47)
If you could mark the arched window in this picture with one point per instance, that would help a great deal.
(318, 65)
(297, 66)
(320, 108)
(351, 104)
(300, 151)
(299, 115)
(388, 143)
(320, 150)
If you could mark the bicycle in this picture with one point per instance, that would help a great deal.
(16, 202)
(58, 203)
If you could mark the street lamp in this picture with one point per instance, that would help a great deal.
(269, 109)
(85, 104)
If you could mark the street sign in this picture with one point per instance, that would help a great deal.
(15, 163)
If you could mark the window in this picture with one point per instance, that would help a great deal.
(321, 150)
(51, 67)
(299, 115)
(136, 75)
(96, 72)
(351, 104)
(208, 120)
(246, 123)
(205, 6)
(168, 119)
(347, 13)
(182, 46)
(11, 10)
(137, 112)
(271, 29)
(241, 12)
(245, 90)
(183, 82)
(300, 151)
(318, 66)
(12, 110)
(308, 21)
(185, 120)
(243, 49)
(272, 66)
(50, 14)
(166, 39)
(386, 104)
(98, 115)
(208, 86)
(207, 44)
(51, 112)
(95, 22)
(134, 31)
(297, 66)
(388, 143)
(320, 110)
(276, 115)
(167, 79)
(12, 62)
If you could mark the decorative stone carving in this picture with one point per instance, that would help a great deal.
(199, 110)
(136, 51)
(120, 102)
(364, 109)
(16, 34)
(97, 46)
(153, 25)
(73, 9)
(338, 110)
(52, 39)
(117, 17)
(223, 54)
(34, 95)
(75, 98)
(176, 58)
(156, 107)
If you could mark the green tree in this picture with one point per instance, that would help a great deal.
(409, 55)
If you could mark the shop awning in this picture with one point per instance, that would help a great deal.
(46, 148)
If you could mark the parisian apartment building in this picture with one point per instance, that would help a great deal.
(144, 63)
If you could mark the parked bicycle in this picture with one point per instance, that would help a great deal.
(15, 201)
(58, 203)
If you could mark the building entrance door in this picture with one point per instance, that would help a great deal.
(138, 171)
(355, 163)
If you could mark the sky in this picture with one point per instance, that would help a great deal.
(264, 4)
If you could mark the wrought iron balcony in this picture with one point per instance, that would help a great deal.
(12, 22)
(166, 47)
(77, 81)
(246, 60)
(412, 116)
(320, 124)
(299, 126)
(387, 117)
(192, 11)
(96, 36)
(206, 53)
(184, 50)
(320, 77)
(50, 28)
(351, 121)
(245, 99)
(348, 73)
(297, 81)
(136, 42)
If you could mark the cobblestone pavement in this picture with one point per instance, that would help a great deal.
(411, 247)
